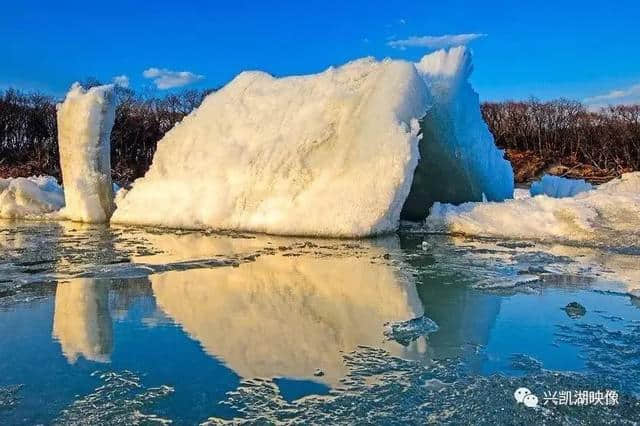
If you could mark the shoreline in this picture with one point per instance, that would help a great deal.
(528, 167)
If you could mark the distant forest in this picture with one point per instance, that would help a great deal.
(567, 138)
(562, 136)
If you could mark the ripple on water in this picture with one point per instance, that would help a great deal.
(119, 400)
(381, 389)
(9, 396)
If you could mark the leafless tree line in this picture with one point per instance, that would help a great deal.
(28, 129)
(608, 139)
(140, 123)
(559, 130)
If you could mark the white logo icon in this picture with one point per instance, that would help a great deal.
(520, 393)
(530, 401)
(524, 396)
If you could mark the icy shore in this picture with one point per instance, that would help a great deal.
(344, 153)
(609, 214)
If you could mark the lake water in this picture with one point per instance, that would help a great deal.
(128, 325)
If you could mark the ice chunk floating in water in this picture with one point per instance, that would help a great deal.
(334, 154)
(85, 119)
(327, 154)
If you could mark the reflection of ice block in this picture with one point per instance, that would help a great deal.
(81, 322)
(289, 315)
(465, 318)
(85, 119)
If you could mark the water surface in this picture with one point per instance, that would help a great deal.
(121, 325)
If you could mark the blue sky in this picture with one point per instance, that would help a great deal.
(576, 49)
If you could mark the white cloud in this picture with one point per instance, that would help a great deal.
(435, 42)
(167, 79)
(121, 80)
(627, 96)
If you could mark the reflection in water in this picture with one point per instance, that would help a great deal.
(465, 317)
(292, 307)
(167, 247)
(619, 271)
(290, 315)
(82, 322)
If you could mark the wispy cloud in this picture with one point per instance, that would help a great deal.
(435, 42)
(167, 79)
(629, 95)
(121, 80)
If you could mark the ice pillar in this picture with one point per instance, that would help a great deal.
(85, 119)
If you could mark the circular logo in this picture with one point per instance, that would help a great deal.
(530, 401)
(520, 393)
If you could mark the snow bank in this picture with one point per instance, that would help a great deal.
(29, 198)
(459, 160)
(329, 154)
(85, 119)
(609, 214)
(559, 187)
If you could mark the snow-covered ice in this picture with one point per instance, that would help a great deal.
(459, 160)
(329, 154)
(30, 198)
(326, 154)
(610, 214)
(344, 152)
(559, 187)
(35, 198)
(85, 119)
